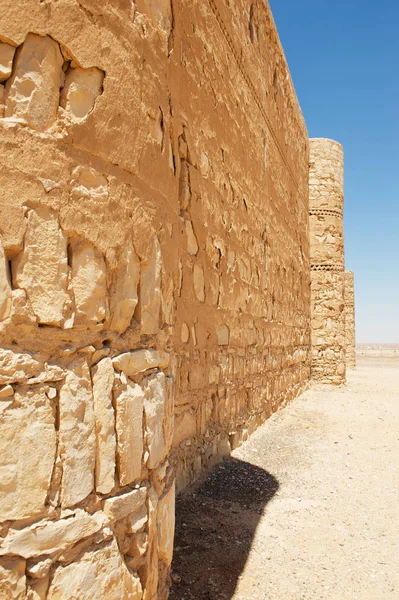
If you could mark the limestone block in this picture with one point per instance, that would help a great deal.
(12, 579)
(42, 268)
(149, 573)
(103, 381)
(185, 427)
(81, 88)
(17, 366)
(7, 391)
(160, 13)
(137, 520)
(89, 283)
(199, 283)
(138, 361)
(46, 537)
(192, 244)
(27, 432)
(6, 57)
(124, 296)
(166, 525)
(150, 291)
(98, 574)
(77, 440)
(121, 506)
(157, 409)
(33, 91)
(223, 335)
(167, 299)
(128, 401)
(5, 286)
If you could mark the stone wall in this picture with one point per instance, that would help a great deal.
(154, 275)
(350, 334)
(326, 199)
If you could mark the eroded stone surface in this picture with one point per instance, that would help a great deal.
(155, 407)
(103, 381)
(27, 433)
(6, 57)
(150, 290)
(124, 295)
(5, 286)
(100, 573)
(12, 579)
(33, 91)
(128, 399)
(138, 361)
(89, 283)
(77, 434)
(42, 268)
(81, 88)
(125, 504)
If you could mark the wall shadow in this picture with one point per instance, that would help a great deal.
(215, 525)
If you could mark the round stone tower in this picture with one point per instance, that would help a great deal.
(326, 200)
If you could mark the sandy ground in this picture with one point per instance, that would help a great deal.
(308, 508)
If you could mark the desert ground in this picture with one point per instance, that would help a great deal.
(307, 508)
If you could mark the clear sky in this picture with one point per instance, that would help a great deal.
(344, 60)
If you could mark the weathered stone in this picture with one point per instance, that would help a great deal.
(89, 283)
(97, 574)
(5, 286)
(138, 361)
(34, 88)
(46, 537)
(27, 432)
(192, 244)
(17, 366)
(103, 381)
(6, 57)
(12, 579)
(120, 507)
(124, 296)
(7, 391)
(185, 333)
(150, 290)
(199, 282)
(77, 440)
(185, 427)
(223, 335)
(128, 402)
(156, 409)
(149, 573)
(166, 525)
(160, 13)
(81, 88)
(42, 268)
(137, 520)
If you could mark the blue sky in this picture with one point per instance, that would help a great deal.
(344, 60)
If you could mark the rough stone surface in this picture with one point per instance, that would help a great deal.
(28, 432)
(12, 579)
(34, 88)
(124, 505)
(42, 268)
(350, 333)
(128, 401)
(97, 574)
(77, 435)
(155, 283)
(103, 381)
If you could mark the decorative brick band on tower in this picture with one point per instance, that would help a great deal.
(350, 334)
(326, 198)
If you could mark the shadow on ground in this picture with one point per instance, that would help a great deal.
(215, 525)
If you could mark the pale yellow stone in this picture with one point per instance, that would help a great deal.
(185, 333)
(6, 57)
(77, 440)
(12, 578)
(166, 525)
(89, 283)
(45, 537)
(192, 244)
(5, 286)
(81, 88)
(223, 335)
(34, 88)
(124, 295)
(156, 408)
(149, 573)
(121, 506)
(137, 520)
(42, 268)
(150, 290)
(27, 434)
(160, 13)
(128, 401)
(138, 361)
(103, 381)
(17, 366)
(97, 575)
(185, 427)
(199, 283)
(7, 391)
